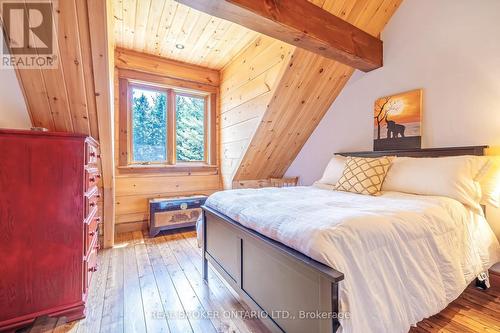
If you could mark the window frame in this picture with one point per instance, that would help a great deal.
(130, 146)
(130, 79)
(206, 117)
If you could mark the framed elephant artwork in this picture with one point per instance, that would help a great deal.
(398, 120)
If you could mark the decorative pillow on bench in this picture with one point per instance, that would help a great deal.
(364, 175)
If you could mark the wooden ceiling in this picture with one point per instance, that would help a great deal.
(159, 26)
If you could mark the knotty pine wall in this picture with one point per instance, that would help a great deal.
(247, 86)
(134, 188)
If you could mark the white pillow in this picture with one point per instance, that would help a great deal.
(489, 179)
(333, 170)
(452, 177)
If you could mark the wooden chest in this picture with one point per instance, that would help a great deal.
(173, 213)
(48, 224)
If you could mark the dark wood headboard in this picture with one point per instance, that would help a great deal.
(427, 152)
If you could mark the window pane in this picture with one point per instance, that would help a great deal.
(149, 125)
(190, 129)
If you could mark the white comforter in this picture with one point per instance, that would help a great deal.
(405, 257)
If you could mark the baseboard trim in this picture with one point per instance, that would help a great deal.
(131, 226)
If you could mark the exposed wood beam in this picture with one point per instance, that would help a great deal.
(302, 24)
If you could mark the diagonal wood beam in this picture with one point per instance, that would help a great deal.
(302, 24)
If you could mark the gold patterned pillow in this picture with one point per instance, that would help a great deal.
(364, 175)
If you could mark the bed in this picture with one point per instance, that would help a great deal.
(345, 262)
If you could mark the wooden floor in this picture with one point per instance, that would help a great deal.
(155, 285)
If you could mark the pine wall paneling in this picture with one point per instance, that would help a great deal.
(247, 87)
(100, 14)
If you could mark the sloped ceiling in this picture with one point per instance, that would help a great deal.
(168, 29)
(298, 98)
(63, 99)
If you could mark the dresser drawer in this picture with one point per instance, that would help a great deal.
(91, 231)
(92, 177)
(91, 201)
(91, 153)
(90, 263)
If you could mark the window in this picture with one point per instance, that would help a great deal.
(190, 127)
(165, 126)
(149, 124)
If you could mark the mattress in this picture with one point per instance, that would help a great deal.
(405, 257)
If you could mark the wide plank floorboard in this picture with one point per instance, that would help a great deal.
(154, 285)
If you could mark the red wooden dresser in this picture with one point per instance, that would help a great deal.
(48, 224)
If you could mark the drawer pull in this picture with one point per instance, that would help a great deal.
(92, 233)
(93, 269)
(92, 204)
(98, 196)
(92, 154)
(92, 179)
(98, 220)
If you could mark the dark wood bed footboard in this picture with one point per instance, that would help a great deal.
(288, 290)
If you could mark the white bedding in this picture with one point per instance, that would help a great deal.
(405, 257)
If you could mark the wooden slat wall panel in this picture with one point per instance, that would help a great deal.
(36, 97)
(138, 204)
(128, 59)
(164, 183)
(35, 93)
(305, 92)
(102, 44)
(247, 85)
(157, 26)
(57, 97)
(87, 63)
(71, 61)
